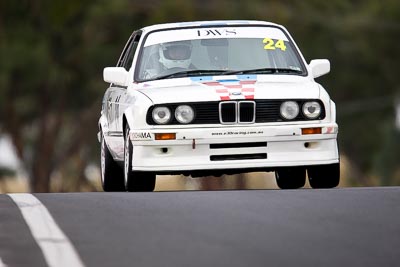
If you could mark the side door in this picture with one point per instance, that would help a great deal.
(122, 92)
(113, 96)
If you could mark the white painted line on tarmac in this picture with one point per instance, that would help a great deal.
(56, 247)
(2, 264)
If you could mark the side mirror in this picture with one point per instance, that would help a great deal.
(320, 67)
(117, 75)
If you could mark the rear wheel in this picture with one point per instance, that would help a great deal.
(290, 177)
(135, 181)
(112, 175)
(324, 176)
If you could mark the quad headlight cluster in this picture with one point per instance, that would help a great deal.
(183, 114)
(291, 109)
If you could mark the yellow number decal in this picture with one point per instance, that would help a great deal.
(269, 44)
(281, 45)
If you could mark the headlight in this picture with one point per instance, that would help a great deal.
(161, 115)
(184, 114)
(312, 109)
(289, 110)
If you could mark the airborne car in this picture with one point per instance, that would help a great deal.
(214, 98)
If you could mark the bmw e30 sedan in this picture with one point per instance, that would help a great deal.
(214, 98)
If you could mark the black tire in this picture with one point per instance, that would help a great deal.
(135, 181)
(112, 175)
(290, 177)
(324, 176)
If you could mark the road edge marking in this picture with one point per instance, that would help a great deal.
(2, 264)
(55, 245)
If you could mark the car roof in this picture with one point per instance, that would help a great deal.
(206, 24)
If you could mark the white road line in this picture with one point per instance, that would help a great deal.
(2, 264)
(55, 245)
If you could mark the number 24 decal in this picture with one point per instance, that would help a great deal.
(272, 45)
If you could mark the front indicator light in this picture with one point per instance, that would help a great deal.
(317, 130)
(165, 136)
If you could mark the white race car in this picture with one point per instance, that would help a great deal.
(213, 98)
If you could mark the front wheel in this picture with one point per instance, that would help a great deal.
(135, 181)
(290, 177)
(324, 176)
(112, 177)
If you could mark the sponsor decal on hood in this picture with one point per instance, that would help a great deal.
(230, 89)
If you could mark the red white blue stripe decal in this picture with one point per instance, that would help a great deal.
(232, 89)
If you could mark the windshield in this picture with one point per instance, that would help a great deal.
(217, 51)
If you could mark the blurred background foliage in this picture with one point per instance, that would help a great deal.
(52, 54)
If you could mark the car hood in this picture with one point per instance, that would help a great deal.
(216, 88)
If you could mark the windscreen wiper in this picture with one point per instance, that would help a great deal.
(264, 71)
(189, 73)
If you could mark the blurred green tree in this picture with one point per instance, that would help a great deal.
(46, 99)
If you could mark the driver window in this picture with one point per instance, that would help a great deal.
(124, 52)
(127, 63)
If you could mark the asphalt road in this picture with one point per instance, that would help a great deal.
(339, 227)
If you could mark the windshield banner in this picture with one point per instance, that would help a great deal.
(214, 33)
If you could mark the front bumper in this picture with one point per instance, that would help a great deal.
(227, 148)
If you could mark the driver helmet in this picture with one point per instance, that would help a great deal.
(176, 54)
